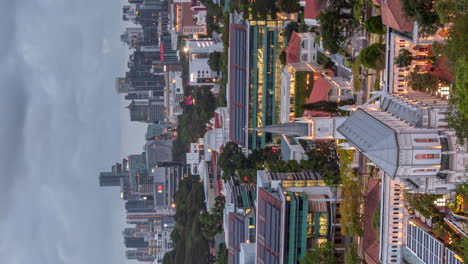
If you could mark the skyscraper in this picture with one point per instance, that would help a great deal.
(108, 179)
(146, 111)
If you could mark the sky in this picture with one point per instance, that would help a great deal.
(62, 123)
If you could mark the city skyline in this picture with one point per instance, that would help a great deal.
(59, 60)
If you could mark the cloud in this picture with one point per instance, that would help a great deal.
(61, 125)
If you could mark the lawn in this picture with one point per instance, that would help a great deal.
(303, 87)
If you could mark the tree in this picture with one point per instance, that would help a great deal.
(373, 56)
(457, 46)
(457, 122)
(404, 58)
(446, 10)
(351, 254)
(424, 82)
(289, 29)
(282, 57)
(351, 218)
(423, 12)
(461, 87)
(320, 254)
(214, 61)
(421, 202)
(288, 6)
(231, 158)
(222, 254)
(464, 245)
(374, 25)
(331, 29)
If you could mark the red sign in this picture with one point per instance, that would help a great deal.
(161, 51)
(160, 188)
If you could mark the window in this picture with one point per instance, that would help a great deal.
(424, 170)
(427, 156)
(426, 140)
(304, 57)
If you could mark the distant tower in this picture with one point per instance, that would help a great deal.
(132, 37)
(146, 111)
(111, 179)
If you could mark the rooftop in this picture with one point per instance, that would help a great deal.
(374, 139)
(393, 15)
(320, 90)
(313, 8)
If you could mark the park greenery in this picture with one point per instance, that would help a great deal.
(423, 12)
(190, 246)
(423, 203)
(351, 255)
(331, 30)
(211, 223)
(456, 51)
(374, 25)
(424, 82)
(351, 218)
(235, 165)
(404, 58)
(320, 254)
(373, 56)
(303, 88)
(191, 124)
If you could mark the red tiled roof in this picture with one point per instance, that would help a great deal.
(292, 51)
(187, 15)
(320, 90)
(393, 16)
(313, 8)
(311, 113)
(371, 203)
(377, 2)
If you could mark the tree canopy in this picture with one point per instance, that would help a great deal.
(446, 10)
(423, 12)
(288, 6)
(404, 58)
(189, 244)
(214, 61)
(374, 25)
(461, 87)
(373, 56)
(331, 28)
(321, 254)
(231, 158)
(424, 82)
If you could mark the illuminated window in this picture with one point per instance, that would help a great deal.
(424, 170)
(428, 156)
(426, 140)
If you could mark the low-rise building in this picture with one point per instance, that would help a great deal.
(199, 51)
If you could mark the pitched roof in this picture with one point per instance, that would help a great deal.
(320, 90)
(313, 8)
(393, 16)
(187, 15)
(373, 138)
(292, 51)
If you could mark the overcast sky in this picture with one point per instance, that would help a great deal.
(62, 123)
